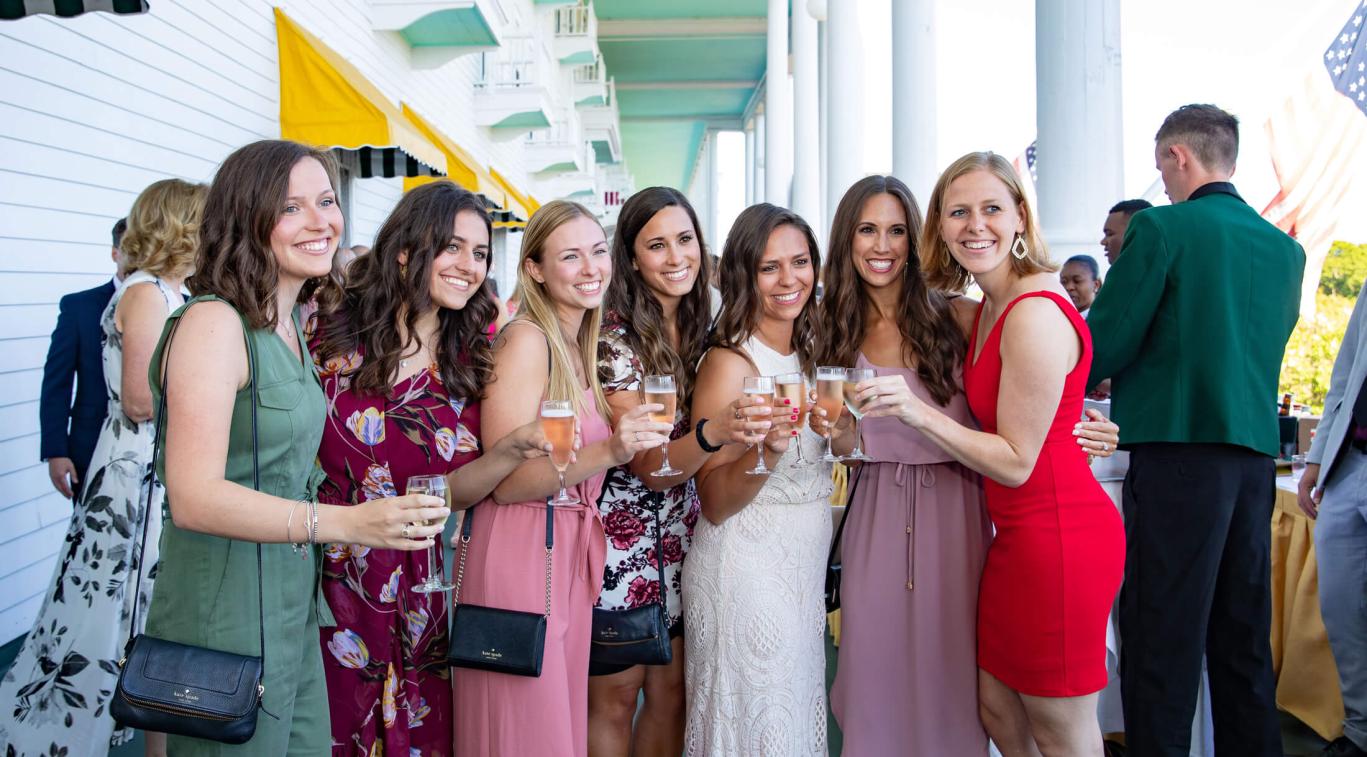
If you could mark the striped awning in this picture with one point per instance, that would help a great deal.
(326, 101)
(15, 9)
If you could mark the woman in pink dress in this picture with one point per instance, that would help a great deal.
(549, 352)
(403, 359)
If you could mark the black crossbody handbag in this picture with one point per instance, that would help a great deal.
(833, 564)
(493, 639)
(640, 635)
(169, 687)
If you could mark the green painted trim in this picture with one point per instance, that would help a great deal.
(580, 58)
(669, 9)
(594, 100)
(535, 119)
(602, 152)
(558, 168)
(455, 27)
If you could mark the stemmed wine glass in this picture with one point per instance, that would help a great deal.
(434, 486)
(852, 378)
(660, 390)
(557, 425)
(793, 387)
(830, 394)
(760, 386)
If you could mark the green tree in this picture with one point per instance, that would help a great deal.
(1315, 343)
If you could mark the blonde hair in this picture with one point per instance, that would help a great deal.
(163, 229)
(536, 306)
(941, 269)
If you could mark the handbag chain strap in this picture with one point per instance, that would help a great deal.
(849, 501)
(157, 445)
(465, 528)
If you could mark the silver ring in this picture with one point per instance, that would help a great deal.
(1105, 446)
(404, 531)
(737, 413)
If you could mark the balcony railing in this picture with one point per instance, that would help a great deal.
(574, 21)
(519, 63)
(590, 73)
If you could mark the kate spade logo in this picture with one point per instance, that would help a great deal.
(491, 654)
(188, 695)
(609, 633)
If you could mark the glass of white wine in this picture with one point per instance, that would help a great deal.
(793, 387)
(434, 486)
(660, 391)
(830, 394)
(852, 378)
(557, 425)
(760, 386)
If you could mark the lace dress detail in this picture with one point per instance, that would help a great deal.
(754, 611)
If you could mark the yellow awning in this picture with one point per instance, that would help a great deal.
(325, 101)
(519, 204)
(461, 166)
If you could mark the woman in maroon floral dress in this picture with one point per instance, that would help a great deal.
(403, 357)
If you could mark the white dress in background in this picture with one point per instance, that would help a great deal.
(754, 611)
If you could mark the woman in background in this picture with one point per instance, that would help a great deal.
(56, 694)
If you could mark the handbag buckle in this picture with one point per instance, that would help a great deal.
(260, 691)
(122, 660)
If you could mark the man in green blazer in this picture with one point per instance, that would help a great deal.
(1191, 328)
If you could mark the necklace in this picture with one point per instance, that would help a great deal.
(404, 361)
(286, 327)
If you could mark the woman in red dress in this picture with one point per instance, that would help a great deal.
(1055, 564)
(403, 356)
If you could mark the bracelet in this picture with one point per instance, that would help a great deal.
(313, 516)
(702, 440)
(289, 526)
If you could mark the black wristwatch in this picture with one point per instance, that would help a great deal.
(702, 440)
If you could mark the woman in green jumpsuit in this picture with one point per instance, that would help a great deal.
(271, 224)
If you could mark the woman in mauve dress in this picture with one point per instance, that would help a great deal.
(918, 532)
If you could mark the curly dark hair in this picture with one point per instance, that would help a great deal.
(234, 259)
(740, 259)
(932, 343)
(364, 313)
(631, 300)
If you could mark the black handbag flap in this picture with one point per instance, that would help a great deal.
(497, 639)
(639, 624)
(219, 685)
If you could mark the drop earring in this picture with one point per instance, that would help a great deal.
(1018, 248)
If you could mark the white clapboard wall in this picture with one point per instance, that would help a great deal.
(94, 108)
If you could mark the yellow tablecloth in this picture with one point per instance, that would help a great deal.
(1307, 682)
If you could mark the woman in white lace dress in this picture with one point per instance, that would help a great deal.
(752, 586)
(55, 698)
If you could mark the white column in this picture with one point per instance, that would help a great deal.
(761, 156)
(711, 222)
(806, 120)
(844, 89)
(913, 95)
(778, 109)
(750, 158)
(1078, 96)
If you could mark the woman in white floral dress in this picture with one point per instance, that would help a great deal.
(657, 320)
(54, 699)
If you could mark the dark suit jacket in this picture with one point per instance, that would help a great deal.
(1193, 320)
(71, 428)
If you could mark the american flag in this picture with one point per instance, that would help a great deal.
(1025, 168)
(1318, 140)
(1346, 60)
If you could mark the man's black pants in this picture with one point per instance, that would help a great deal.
(1197, 580)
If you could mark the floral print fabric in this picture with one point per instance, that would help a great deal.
(631, 576)
(389, 688)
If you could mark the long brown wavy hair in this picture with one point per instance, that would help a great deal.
(247, 197)
(932, 343)
(379, 290)
(632, 301)
(740, 259)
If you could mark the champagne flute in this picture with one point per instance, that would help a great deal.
(793, 387)
(760, 386)
(557, 425)
(830, 395)
(660, 390)
(852, 378)
(433, 486)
